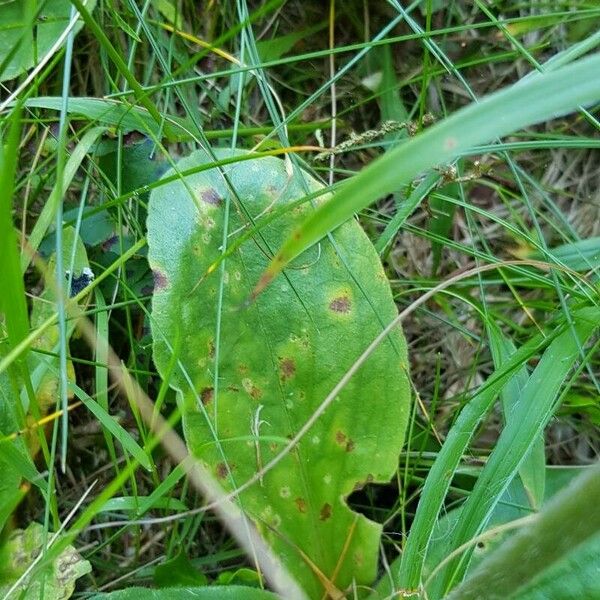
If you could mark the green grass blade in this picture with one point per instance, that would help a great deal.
(533, 469)
(570, 520)
(111, 425)
(48, 214)
(529, 417)
(407, 569)
(525, 103)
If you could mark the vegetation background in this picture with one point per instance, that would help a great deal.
(361, 77)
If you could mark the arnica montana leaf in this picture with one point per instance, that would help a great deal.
(246, 391)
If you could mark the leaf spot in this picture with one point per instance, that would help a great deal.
(341, 304)
(160, 280)
(301, 504)
(285, 492)
(450, 143)
(350, 445)
(207, 394)
(210, 196)
(287, 368)
(325, 512)
(222, 470)
(340, 438)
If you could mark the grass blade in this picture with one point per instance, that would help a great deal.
(529, 417)
(525, 103)
(571, 519)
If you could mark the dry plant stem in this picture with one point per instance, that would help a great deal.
(240, 527)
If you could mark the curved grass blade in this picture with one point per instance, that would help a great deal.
(528, 419)
(525, 103)
(556, 535)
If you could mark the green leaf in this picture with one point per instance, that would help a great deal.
(141, 163)
(275, 48)
(122, 116)
(556, 556)
(33, 39)
(583, 255)
(234, 592)
(178, 571)
(58, 579)
(513, 505)
(277, 361)
(133, 504)
(12, 452)
(540, 97)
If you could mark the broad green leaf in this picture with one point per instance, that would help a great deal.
(58, 579)
(233, 592)
(555, 557)
(178, 571)
(34, 38)
(141, 163)
(540, 97)
(278, 358)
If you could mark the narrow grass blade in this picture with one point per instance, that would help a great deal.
(529, 417)
(48, 213)
(570, 520)
(533, 469)
(525, 103)
(111, 425)
(407, 569)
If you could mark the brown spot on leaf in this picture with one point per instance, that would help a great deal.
(160, 280)
(210, 196)
(340, 438)
(221, 470)
(325, 512)
(255, 392)
(350, 445)
(301, 504)
(287, 368)
(207, 394)
(341, 304)
(233, 388)
(211, 349)
(109, 243)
